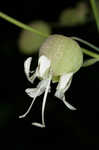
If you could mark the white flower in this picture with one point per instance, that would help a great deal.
(43, 71)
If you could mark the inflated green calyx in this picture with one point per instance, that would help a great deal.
(64, 53)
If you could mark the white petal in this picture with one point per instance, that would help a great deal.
(41, 87)
(43, 66)
(62, 87)
(38, 124)
(63, 82)
(27, 64)
(68, 104)
(68, 85)
(42, 84)
(31, 92)
(27, 71)
(61, 96)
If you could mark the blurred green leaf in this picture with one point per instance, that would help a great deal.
(77, 15)
(95, 8)
(90, 62)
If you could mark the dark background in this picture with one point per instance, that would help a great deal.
(65, 129)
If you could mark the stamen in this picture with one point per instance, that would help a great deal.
(24, 115)
(43, 104)
(34, 92)
(44, 99)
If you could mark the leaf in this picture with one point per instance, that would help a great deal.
(90, 62)
(95, 8)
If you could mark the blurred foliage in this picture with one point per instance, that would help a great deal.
(95, 8)
(29, 42)
(75, 16)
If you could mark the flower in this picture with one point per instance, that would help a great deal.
(46, 71)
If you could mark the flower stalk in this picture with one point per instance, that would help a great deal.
(20, 24)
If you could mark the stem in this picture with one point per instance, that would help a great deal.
(94, 8)
(20, 24)
(89, 53)
(86, 43)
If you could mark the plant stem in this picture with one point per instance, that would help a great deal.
(20, 24)
(94, 8)
(86, 43)
(90, 53)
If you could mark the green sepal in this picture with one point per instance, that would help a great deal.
(55, 79)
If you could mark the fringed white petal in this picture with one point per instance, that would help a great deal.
(41, 71)
(43, 66)
(27, 65)
(31, 92)
(41, 87)
(62, 87)
(63, 82)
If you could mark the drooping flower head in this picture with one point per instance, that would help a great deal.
(59, 58)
